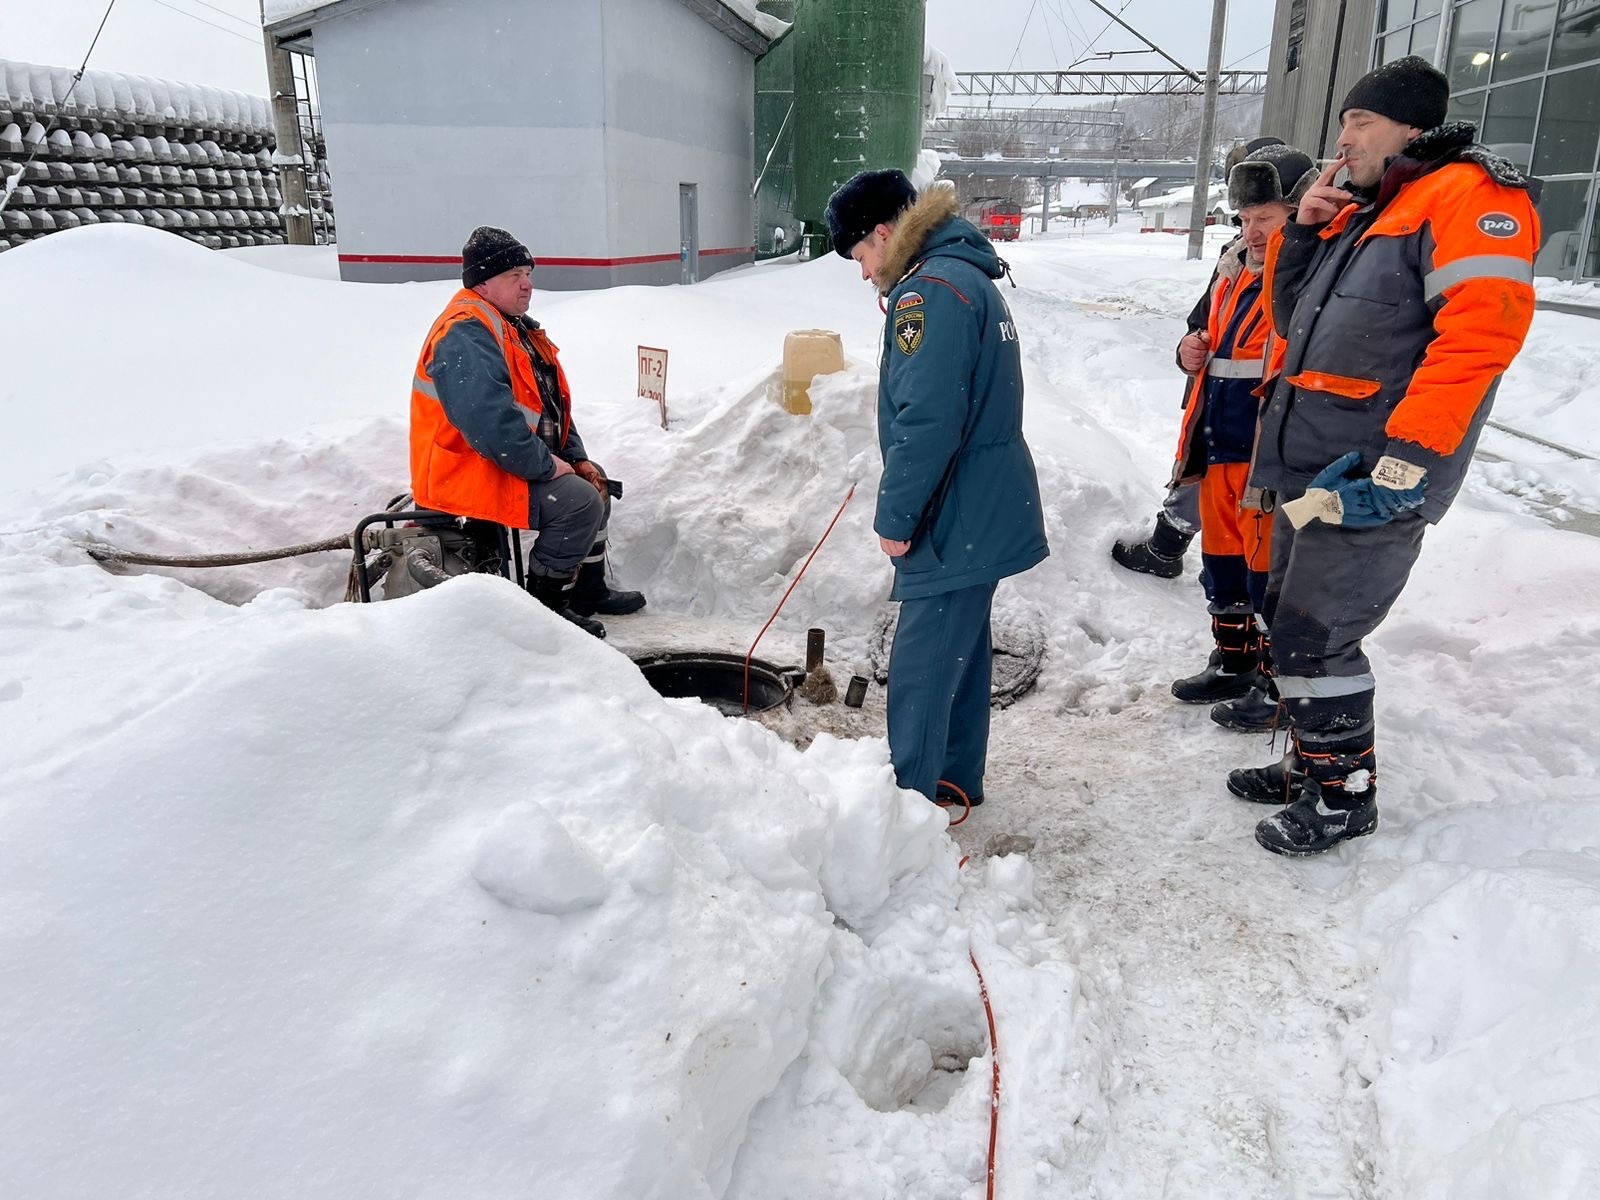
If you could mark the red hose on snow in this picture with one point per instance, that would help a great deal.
(786, 595)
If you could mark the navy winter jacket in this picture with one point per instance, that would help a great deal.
(958, 481)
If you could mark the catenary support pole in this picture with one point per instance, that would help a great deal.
(290, 157)
(1208, 133)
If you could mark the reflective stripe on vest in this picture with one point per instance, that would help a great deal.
(1235, 368)
(1477, 266)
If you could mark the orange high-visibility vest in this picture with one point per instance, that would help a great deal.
(447, 474)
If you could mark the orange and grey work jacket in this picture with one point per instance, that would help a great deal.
(476, 408)
(1399, 318)
(1219, 415)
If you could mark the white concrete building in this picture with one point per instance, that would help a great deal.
(614, 137)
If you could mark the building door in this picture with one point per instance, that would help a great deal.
(689, 232)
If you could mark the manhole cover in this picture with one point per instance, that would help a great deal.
(1018, 642)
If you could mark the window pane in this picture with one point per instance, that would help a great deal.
(1508, 125)
(1428, 8)
(1577, 33)
(1569, 125)
(1471, 45)
(1589, 267)
(1425, 38)
(1562, 209)
(1398, 12)
(1524, 38)
(1467, 108)
(1396, 45)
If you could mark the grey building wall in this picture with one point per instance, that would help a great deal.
(680, 108)
(1310, 70)
(570, 124)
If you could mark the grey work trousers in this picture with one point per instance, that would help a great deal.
(1182, 507)
(1329, 588)
(569, 515)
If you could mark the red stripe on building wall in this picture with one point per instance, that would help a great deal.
(455, 259)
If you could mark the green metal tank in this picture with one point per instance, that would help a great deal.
(777, 227)
(857, 93)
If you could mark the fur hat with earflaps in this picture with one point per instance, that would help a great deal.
(863, 202)
(1274, 174)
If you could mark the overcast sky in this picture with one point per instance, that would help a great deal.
(218, 41)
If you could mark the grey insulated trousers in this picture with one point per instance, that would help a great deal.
(569, 516)
(1328, 589)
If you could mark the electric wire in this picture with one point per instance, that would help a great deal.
(183, 12)
(77, 77)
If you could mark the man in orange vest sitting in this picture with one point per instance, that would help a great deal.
(1228, 360)
(492, 437)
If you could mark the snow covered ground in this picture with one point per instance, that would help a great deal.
(436, 898)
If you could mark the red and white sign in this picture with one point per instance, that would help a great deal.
(653, 377)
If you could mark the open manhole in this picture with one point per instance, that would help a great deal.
(718, 679)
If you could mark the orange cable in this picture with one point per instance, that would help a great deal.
(785, 600)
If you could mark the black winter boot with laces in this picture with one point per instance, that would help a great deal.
(1337, 798)
(1274, 783)
(1312, 824)
(1257, 709)
(1231, 671)
(1160, 554)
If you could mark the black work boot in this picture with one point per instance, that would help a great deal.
(1274, 783)
(1317, 821)
(1231, 671)
(592, 595)
(1337, 799)
(1160, 554)
(551, 591)
(1258, 709)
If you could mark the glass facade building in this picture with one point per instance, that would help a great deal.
(1527, 73)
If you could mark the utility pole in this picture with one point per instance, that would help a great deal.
(1208, 132)
(289, 157)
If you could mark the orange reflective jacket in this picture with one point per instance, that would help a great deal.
(1238, 365)
(447, 474)
(1398, 332)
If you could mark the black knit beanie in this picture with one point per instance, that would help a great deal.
(865, 201)
(1410, 90)
(490, 252)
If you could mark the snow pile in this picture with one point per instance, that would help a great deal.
(550, 926)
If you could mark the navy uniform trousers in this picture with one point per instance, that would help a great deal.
(939, 672)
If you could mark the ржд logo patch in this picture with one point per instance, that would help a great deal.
(1499, 225)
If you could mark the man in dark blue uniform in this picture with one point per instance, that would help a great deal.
(958, 506)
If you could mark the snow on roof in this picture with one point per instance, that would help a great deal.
(163, 101)
(769, 28)
(1218, 191)
(273, 11)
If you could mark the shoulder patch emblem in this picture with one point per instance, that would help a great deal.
(1499, 225)
(909, 300)
(908, 331)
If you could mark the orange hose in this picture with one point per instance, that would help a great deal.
(785, 600)
(994, 1040)
(967, 809)
(994, 1082)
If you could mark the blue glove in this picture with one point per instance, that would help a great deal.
(1339, 497)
